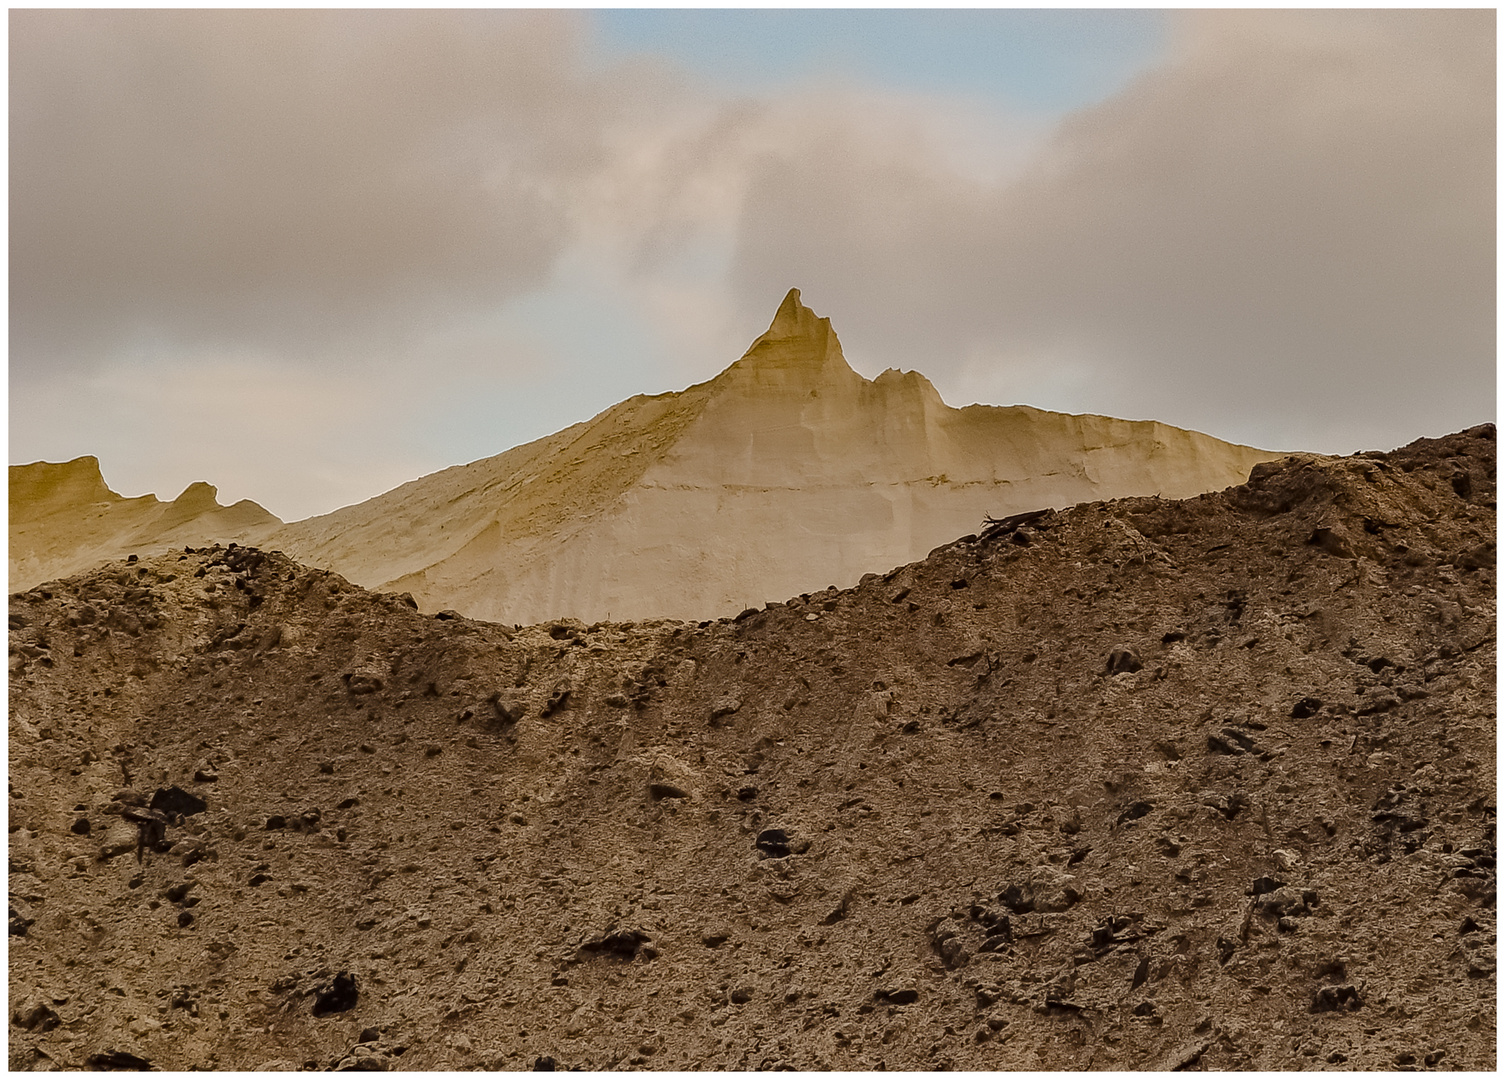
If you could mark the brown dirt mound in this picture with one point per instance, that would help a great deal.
(1139, 784)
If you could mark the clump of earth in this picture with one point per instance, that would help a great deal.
(1137, 784)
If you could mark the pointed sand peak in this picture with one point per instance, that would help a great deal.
(794, 319)
(797, 340)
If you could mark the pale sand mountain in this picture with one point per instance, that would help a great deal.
(786, 473)
(64, 518)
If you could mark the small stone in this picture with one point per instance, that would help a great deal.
(362, 682)
(725, 707)
(623, 944)
(1336, 998)
(741, 995)
(1306, 707)
(1123, 661)
(118, 840)
(362, 1061)
(34, 1014)
(905, 996)
(773, 843)
(120, 1060)
(369, 1034)
(81, 827)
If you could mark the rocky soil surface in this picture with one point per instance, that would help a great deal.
(1139, 784)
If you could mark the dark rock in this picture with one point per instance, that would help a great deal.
(1306, 707)
(276, 821)
(741, 995)
(773, 843)
(1286, 901)
(1134, 812)
(1264, 885)
(558, 698)
(747, 794)
(667, 791)
(1122, 661)
(1218, 745)
(1336, 999)
(340, 995)
(174, 800)
(905, 996)
(362, 682)
(1141, 973)
(545, 1064)
(448, 614)
(1238, 738)
(80, 827)
(361, 1060)
(117, 1060)
(33, 1014)
(259, 879)
(185, 919)
(369, 1034)
(1226, 950)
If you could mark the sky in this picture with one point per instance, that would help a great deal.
(310, 255)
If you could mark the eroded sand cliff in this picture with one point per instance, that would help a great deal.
(787, 472)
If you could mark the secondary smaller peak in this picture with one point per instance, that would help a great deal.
(198, 494)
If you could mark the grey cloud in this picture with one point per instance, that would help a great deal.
(290, 181)
(1284, 234)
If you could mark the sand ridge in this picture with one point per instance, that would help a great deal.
(788, 471)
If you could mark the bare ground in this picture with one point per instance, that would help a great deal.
(1140, 784)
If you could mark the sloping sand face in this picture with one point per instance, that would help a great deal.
(786, 473)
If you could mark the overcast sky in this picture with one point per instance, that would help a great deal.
(307, 256)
